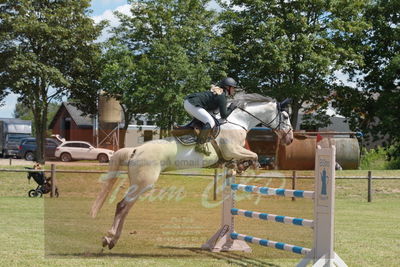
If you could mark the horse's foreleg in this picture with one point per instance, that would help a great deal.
(243, 158)
(238, 153)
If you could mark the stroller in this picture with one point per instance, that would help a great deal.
(44, 184)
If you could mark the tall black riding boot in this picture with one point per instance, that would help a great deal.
(201, 147)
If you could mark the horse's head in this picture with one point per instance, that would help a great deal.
(283, 126)
(265, 111)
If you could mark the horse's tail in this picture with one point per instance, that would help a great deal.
(119, 158)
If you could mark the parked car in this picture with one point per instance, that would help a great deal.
(27, 148)
(76, 150)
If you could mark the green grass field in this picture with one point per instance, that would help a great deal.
(168, 225)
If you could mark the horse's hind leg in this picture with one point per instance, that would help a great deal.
(142, 181)
(114, 233)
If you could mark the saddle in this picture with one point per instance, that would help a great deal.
(187, 134)
(192, 127)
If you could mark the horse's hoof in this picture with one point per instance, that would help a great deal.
(105, 242)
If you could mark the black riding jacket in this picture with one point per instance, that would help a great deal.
(210, 101)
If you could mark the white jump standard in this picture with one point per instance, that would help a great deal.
(322, 253)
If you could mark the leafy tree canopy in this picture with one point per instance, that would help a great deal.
(171, 43)
(292, 48)
(47, 45)
(374, 106)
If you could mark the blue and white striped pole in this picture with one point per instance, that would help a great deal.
(273, 191)
(272, 244)
(273, 217)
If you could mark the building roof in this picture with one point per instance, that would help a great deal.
(76, 115)
(14, 120)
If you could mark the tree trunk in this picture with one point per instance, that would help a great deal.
(41, 130)
(37, 123)
(127, 119)
(294, 117)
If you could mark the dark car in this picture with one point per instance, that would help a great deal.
(27, 148)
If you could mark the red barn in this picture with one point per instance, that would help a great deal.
(72, 125)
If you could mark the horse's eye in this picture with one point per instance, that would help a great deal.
(285, 115)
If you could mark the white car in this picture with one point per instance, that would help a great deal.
(74, 150)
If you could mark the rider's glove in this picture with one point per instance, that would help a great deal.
(232, 106)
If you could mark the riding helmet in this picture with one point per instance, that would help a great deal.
(228, 81)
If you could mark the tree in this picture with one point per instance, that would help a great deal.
(24, 113)
(376, 107)
(172, 44)
(293, 48)
(382, 71)
(48, 52)
(118, 80)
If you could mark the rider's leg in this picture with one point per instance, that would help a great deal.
(205, 117)
(204, 133)
(199, 113)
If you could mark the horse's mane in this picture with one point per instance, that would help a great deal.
(242, 99)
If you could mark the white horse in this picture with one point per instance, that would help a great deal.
(146, 161)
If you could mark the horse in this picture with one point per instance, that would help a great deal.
(147, 161)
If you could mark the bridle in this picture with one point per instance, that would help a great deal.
(266, 124)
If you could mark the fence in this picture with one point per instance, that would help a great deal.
(294, 177)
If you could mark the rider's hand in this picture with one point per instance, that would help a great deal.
(232, 106)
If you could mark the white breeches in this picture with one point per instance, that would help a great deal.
(199, 113)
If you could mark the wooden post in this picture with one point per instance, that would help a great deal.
(369, 186)
(294, 176)
(53, 180)
(10, 161)
(215, 183)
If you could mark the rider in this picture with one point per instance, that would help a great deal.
(199, 104)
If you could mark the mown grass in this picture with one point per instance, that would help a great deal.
(167, 225)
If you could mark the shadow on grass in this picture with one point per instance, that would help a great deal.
(116, 255)
(231, 258)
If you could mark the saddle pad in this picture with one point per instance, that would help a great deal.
(187, 140)
(191, 139)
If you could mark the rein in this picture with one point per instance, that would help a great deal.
(263, 122)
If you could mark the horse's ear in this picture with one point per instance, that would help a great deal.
(282, 105)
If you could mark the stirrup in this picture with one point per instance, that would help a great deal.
(202, 148)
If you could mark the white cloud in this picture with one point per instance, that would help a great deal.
(343, 78)
(213, 5)
(112, 19)
(106, 2)
(108, 14)
(7, 110)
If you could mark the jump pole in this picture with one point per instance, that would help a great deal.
(322, 253)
